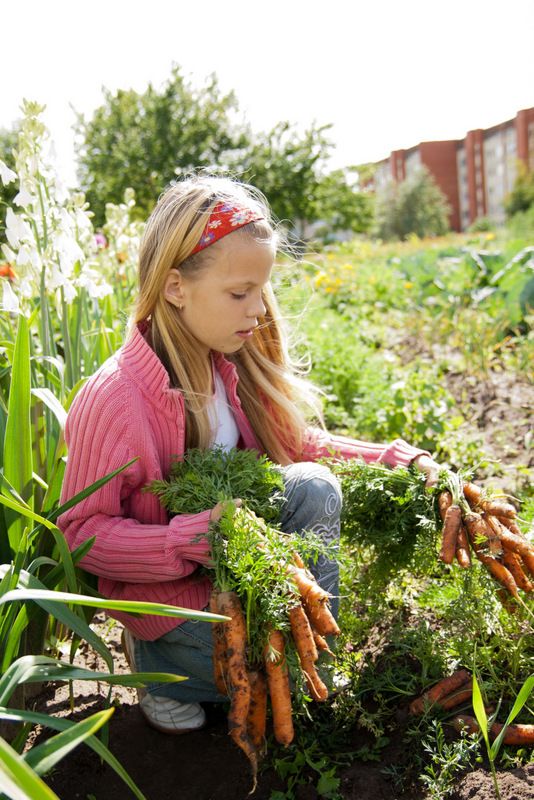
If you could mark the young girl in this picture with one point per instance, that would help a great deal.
(205, 362)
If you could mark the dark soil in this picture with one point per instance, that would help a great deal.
(206, 765)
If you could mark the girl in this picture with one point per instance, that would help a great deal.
(204, 362)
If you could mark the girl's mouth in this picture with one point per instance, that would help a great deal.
(245, 334)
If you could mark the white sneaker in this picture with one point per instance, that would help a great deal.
(163, 713)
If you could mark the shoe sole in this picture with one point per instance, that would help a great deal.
(169, 731)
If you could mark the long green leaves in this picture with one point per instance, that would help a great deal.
(131, 606)
(17, 779)
(17, 455)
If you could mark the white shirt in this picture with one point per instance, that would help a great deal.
(223, 425)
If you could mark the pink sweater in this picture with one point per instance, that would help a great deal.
(128, 409)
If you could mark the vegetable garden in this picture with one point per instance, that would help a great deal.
(430, 341)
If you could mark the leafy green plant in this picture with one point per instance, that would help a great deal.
(493, 749)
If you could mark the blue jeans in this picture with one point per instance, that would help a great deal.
(313, 502)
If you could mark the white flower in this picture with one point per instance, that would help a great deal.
(7, 175)
(16, 228)
(10, 301)
(24, 198)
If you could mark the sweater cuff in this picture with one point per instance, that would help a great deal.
(188, 534)
(400, 454)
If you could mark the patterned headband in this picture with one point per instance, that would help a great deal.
(223, 220)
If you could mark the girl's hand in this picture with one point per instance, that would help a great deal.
(218, 510)
(430, 468)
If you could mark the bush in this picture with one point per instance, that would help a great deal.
(417, 205)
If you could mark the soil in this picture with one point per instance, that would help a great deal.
(206, 765)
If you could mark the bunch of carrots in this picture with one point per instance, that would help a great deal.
(487, 526)
(258, 655)
(279, 615)
(456, 689)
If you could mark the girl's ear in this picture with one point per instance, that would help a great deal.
(173, 290)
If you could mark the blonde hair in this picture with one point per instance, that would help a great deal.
(273, 395)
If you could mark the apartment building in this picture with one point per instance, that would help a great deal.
(475, 173)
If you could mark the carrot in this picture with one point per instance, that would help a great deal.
(257, 712)
(451, 526)
(220, 665)
(479, 532)
(519, 545)
(444, 502)
(510, 524)
(307, 651)
(442, 688)
(239, 686)
(476, 499)
(462, 548)
(515, 734)
(315, 601)
(321, 643)
(513, 562)
(278, 682)
(460, 695)
(499, 572)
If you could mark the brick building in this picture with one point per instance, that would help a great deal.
(475, 173)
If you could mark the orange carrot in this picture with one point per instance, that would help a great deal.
(479, 532)
(278, 682)
(257, 713)
(239, 686)
(451, 526)
(510, 524)
(520, 545)
(442, 688)
(460, 695)
(307, 651)
(462, 548)
(219, 647)
(315, 601)
(499, 572)
(515, 734)
(513, 563)
(476, 499)
(444, 502)
(321, 643)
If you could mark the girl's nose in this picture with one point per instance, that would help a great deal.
(257, 307)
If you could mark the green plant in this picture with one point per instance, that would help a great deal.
(493, 749)
(447, 759)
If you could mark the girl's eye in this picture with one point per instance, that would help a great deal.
(237, 296)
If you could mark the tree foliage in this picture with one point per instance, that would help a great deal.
(521, 198)
(286, 166)
(341, 205)
(416, 205)
(143, 140)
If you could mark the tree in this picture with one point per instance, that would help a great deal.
(143, 140)
(521, 198)
(340, 203)
(416, 205)
(286, 166)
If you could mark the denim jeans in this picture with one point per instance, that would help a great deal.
(313, 502)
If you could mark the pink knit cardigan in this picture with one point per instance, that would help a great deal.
(128, 409)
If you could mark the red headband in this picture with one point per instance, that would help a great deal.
(223, 220)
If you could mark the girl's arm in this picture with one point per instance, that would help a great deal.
(321, 444)
(148, 549)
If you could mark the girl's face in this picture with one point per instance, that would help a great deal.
(221, 305)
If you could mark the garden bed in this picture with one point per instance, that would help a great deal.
(207, 766)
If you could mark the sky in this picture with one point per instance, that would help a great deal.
(385, 74)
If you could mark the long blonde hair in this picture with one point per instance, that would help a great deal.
(273, 394)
